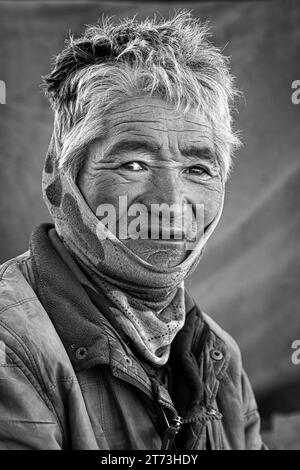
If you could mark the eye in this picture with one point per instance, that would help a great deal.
(134, 166)
(198, 171)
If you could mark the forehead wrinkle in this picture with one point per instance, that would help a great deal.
(140, 134)
(117, 112)
(165, 130)
(184, 131)
(123, 123)
(170, 117)
(127, 145)
(150, 104)
(140, 109)
(198, 124)
(164, 117)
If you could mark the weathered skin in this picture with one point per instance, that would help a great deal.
(172, 160)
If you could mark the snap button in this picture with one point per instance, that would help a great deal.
(128, 361)
(216, 355)
(81, 353)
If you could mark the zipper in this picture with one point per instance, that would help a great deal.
(176, 423)
(171, 431)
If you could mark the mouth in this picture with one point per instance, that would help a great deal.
(160, 234)
(160, 252)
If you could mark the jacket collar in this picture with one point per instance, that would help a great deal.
(80, 325)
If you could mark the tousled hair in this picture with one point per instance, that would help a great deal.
(171, 59)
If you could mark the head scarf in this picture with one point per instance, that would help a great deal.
(146, 302)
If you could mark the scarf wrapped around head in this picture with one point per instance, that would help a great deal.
(147, 302)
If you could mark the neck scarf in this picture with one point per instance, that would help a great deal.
(147, 302)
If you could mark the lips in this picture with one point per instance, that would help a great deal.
(159, 233)
(163, 253)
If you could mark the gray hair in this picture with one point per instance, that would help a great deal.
(172, 59)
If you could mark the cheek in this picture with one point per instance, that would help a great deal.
(211, 198)
(96, 189)
(105, 187)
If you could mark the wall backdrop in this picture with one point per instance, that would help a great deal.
(248, 279)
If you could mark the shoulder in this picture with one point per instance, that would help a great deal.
(220, 340)
(16, 282)
(223, 336)
(27, 334)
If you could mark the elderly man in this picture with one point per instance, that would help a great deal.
(102, 346)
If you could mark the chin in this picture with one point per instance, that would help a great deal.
(162, 254)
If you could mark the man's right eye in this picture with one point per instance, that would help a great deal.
(134, 166)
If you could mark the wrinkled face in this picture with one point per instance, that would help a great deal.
(150, 156)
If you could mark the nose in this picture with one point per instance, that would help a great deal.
(164, 188)
(166, 204)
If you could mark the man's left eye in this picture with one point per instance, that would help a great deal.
(133, 166)
(198, 171)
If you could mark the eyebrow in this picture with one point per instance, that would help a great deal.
(125, 146)
(190, 151)
(204, 153)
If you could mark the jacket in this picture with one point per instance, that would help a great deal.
(92, 392)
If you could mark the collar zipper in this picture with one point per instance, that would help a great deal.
(171, 431)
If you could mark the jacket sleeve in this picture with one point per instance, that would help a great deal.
(253, 438)
(26, 420)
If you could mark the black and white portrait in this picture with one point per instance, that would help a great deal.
(149, 226)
